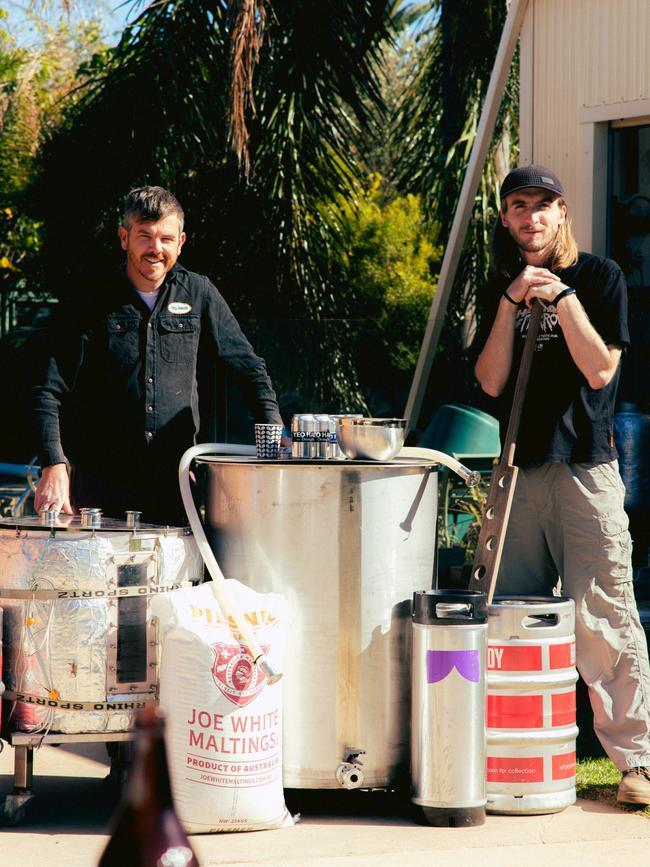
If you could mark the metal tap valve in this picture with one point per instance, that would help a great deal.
(349, 773)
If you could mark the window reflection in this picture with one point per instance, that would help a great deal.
(629, 245)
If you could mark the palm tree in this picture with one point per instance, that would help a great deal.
(158, 109)
(192, 79)
(457, 41)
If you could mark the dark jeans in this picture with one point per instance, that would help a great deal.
(137, 483)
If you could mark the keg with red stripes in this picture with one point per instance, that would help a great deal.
(531, 705)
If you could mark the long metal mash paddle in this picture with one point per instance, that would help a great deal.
(489, 547)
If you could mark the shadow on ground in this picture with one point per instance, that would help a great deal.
(64, 805)
(337, 803)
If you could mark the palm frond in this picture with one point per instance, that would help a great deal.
(246, 41)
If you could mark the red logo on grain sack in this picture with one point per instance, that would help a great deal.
(236, 674)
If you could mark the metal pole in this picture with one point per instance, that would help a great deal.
(498, 78)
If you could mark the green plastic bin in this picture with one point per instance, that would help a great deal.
(462, 432)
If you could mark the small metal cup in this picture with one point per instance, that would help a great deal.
(91, 517)
(48, 517)
(267, 440)
(133, 518)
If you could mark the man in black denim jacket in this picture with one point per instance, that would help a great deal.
(117, 402)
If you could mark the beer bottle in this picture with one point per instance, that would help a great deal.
(146, 831)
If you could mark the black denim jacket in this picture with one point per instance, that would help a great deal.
(118, 380)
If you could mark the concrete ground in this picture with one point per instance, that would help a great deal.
(66, 825)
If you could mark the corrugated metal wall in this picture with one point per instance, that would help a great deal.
(582, 61)
(616, 66)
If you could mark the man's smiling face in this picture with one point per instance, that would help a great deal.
(152, 250)
(533, 218)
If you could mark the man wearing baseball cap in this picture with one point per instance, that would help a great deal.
(567, 520)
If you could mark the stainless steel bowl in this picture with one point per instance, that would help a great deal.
(370, 439)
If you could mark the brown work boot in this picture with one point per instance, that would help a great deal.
(634, 788)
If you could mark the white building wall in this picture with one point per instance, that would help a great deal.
(584, 64)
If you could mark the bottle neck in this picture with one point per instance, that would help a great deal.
(149, 779)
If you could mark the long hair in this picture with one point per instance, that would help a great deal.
(506, 257)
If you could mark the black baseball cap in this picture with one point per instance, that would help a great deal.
(531, 176)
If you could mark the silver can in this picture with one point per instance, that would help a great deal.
(324, 430)
(303, 436)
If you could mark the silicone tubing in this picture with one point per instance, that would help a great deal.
(470, 477)
(219, 585)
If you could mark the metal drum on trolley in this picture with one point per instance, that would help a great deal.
(81, 643)
(531, 705)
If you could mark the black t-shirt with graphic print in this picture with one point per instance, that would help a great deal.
(563, 418)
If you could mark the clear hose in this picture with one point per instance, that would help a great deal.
(219, 585)
(470, 477)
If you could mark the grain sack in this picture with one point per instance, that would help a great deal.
(224, 720)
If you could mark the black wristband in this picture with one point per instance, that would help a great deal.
(511, 300)
(563, 294)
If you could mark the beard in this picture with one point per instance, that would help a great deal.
(153, 270)
(537, 243)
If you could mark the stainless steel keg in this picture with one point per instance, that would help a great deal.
(448, 707)
(531, 705)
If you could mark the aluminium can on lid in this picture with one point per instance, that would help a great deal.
(324, 430)
(303, 436)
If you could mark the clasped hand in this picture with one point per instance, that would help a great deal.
(534, 282)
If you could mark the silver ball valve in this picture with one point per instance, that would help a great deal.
(349, 773)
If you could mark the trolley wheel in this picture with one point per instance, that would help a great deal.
(13, 808)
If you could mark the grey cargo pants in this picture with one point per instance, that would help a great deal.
(568, 522)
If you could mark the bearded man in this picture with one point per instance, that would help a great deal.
(567, 529)
(117, 402)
